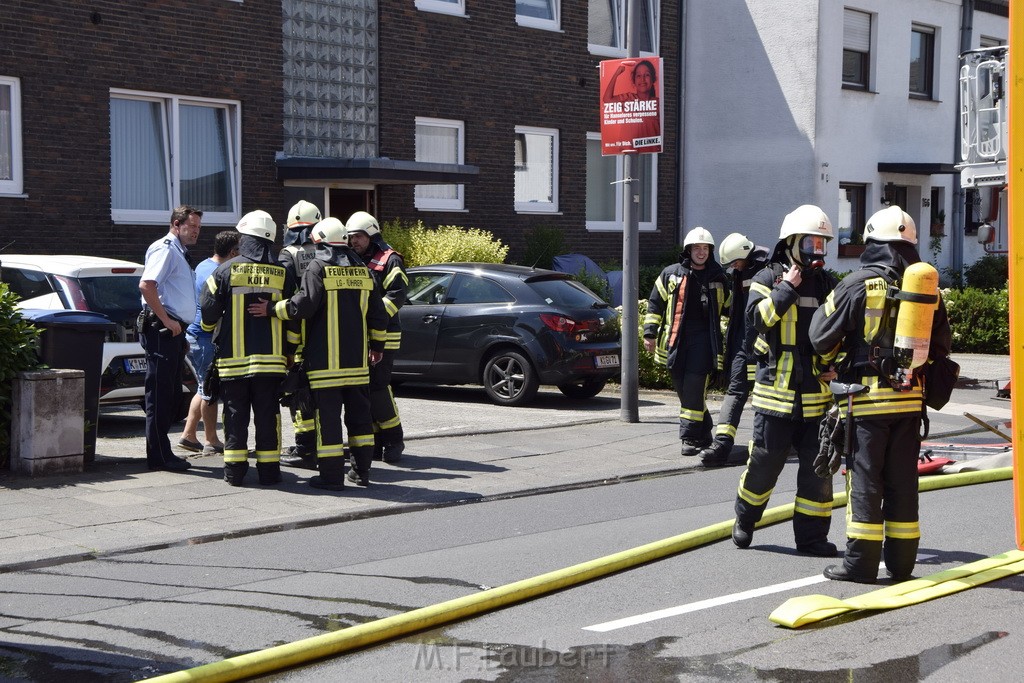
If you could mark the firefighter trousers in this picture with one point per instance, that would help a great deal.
(881, 516)
(690, 373)
(330, 438)
(257, 395)
(386, 423)
(741, 383)
(773, 441)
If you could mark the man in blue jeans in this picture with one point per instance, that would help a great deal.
(169, 299)
(201, 352)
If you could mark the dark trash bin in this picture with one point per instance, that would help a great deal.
(74, 339)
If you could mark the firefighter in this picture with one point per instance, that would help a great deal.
(682, 329)
(859, 320)
(790, 392)
(297, 253)
(250, 357)
(388, 270)
(745, 259)
(342, 335)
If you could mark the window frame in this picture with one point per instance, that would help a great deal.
(170, 106)
(539, 207)
(434, 203)
(618, 17)
(929, 36)
(553, 24)
(615, 225)
(857, 195)
(864, 57)
(456, 8)
(15, 185)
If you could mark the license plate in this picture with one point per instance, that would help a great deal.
(610, 361)
(135, 365)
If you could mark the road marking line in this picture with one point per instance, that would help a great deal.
(705, 604)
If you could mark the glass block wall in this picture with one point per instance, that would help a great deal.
(330, 78)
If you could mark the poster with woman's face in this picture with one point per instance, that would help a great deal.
(631, 112)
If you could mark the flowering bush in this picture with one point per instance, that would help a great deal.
(422, 245)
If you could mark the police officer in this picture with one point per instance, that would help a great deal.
(745, 259)
(388, 270)
(169, 299)
(342, 335)
(857, 319)
(250, 353)
(790, 390)
(297, 253)
(682, 329)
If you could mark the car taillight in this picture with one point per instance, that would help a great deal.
(74, 293)
(567, 326)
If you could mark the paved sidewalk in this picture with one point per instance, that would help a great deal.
(118, 505)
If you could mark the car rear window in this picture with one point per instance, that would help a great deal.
(565, 293)
(112, 296)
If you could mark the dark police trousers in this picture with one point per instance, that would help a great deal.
(165, 356)
(882, 487)
(774, 439)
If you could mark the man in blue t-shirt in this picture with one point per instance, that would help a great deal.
(201, 354)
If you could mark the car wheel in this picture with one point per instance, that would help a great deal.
(510, 379)
(587, 388)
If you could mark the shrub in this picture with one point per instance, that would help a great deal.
(421, 245)
(652, 375)
(979, 320)
(543, 243)
(595, 283)
(990, 272)
(17, 353)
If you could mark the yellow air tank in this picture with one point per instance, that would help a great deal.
(919, 298)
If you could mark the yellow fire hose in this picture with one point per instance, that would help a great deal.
(355, 637)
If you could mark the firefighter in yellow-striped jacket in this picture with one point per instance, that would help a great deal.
(858, 321)
(342, 333)
(791, 387)
(250, 356)
(388, 270)
(682, 328)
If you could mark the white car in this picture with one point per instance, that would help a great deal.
(101, 285)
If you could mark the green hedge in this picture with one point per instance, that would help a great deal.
(979, 320)
(652, 375)
(17, 353)
(421, 245)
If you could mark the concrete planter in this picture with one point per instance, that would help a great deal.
(48, 422)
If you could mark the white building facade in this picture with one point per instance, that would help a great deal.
(847, 105)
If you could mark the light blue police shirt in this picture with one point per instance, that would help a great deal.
(175, 282)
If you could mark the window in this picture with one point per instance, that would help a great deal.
(607, 27)
(10, 136)
(856, 49)
(428, 288)
(538, 14)
(472, 289)
(922, 61)
(852, 205)
(167, 150)
(456, 7)
(536, 169)
(604, 199)
(439, 141)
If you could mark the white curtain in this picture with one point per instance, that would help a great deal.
(533, 182)
(138, 160)
(205, 151)
(437, 144)
(6, 144)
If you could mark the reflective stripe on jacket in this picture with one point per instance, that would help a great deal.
(666, 310)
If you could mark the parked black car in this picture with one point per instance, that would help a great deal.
(509, 328)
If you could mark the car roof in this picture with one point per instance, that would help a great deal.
(524, 273)
(73, 265)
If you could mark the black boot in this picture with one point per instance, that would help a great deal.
(359, 465)
(717, 454)
(234, 472)
(741, 535)
(299, 456)
(839, 572)
(332, 475)
(393, 451)
(270, 473)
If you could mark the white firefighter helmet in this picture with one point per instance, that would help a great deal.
(806, 220)
(891, 224)
(303, 214)
(698, 236)
(330, 231)
(735, 247)
(361, 221)
(258, 224)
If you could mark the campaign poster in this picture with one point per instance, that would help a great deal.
(631, 113)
